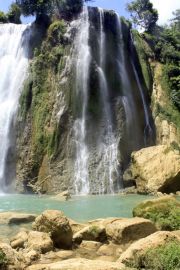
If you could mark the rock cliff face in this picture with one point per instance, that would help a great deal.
(166, 116)
(156, 168)
(78, 110)
(167, 131)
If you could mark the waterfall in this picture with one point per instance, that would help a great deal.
(107, 165)
(127, 89)
(111, 111)
(82, 52)
(13, 69)
(148, 132)
(108, 148)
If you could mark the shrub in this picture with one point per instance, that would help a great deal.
(165, 213)
(165, 257)
(56, 32)
(3, 260)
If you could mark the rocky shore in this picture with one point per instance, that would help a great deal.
(58, 243)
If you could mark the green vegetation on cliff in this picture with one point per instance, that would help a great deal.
(158, 48)
(38, 96)
(144, 53)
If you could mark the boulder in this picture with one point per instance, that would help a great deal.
(109, 250)
(80, 264)
(91, 245)
(39, 241)
(31, 256)
(32, 240)
(10, 258)
(164, 212)
(156, 168)
(57, 225)
(19, 240)
(127, 230)
(16, 218)
(141, 246)
(90, 233)
(75, 226)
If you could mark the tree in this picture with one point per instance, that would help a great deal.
(3, 17)
(66, 8)
(35, 7)
(143, 14)
(14, 14)
(176, 19)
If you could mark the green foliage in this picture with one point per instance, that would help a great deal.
(3, 260)
(175, 146)
(144, 52)
(26, 97)
(14, 14)
(37, 98)
(56, 32)
(176, 19)
(164, 257)
(69, 8)
(35, 7)
(143, 14)
(172, 76)
(165, 43)
(63, 9)
(3, 17)
(165, 213)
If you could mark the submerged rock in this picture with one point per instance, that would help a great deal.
(57, 225)
(156, 168)
(63, 196)
(16, 218)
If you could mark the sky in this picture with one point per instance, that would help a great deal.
(164, 7)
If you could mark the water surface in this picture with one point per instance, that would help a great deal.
(79, 208)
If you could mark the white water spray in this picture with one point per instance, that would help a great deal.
(82, 51)
(13, 68)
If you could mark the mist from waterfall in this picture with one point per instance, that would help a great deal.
(13, 69)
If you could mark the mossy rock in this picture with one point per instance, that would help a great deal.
(166, 257)
(164, 212)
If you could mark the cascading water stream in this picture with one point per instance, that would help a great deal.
(148, 132)
(13, 68)
(108, 126)
(127, 99)
(108, 148)
(82, 51)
